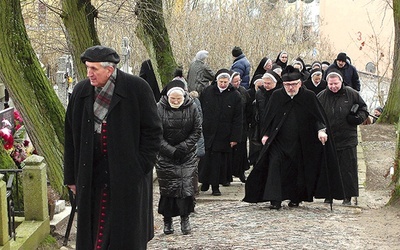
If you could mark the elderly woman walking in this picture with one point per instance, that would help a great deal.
(177, 161)
(222, 128)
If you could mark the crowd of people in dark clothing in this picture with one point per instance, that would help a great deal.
(294, 124)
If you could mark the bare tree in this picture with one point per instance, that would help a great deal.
(152, 31)
(392, 109)
(79, 19)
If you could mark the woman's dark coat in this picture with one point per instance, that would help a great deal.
(247, 112)
(316, 89)
(321, 171)
(181, 130)
(262, 99)
(259, 71)
(147, 73)
(133, 141)
(337, 106)
(222, 118)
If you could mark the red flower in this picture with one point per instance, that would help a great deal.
(17, 116)
(7, 137)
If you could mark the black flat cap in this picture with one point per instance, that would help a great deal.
(100, 53)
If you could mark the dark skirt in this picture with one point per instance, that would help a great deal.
(239, 159)
(171, 207)
(215, 168)
(349, 170)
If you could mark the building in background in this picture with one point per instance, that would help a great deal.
(364, 29)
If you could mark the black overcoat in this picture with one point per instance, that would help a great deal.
(133, 141)
(222, 118)
(337, 106)
(322, 174)
(181, 130)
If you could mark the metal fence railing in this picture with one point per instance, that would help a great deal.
(12, 179)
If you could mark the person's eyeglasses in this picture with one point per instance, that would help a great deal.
(291, 84)
(284, 57)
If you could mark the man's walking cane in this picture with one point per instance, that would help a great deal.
(327, 177)
(71, 216)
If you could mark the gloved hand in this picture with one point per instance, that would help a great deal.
(354, 109)
(354, 119)
(179, 154)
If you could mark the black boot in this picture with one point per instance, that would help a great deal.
(215, 190)
(185, 225)
(293, 204)
(347, 201)
(204, 187)
(275, 205)
(168, 228)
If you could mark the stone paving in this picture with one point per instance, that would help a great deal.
(227, 223)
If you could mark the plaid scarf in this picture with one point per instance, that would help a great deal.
(102, 101)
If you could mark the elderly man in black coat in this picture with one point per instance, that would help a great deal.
(297, 162)
(222, 129)
(112, 137)
(345, 109)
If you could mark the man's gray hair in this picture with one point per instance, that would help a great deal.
(107, 64)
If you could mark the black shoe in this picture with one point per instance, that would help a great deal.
(204, 187)
(215, 191)
(226, 184)
(168, 228)
(347, 201)
(328, 200)
(275, 205)
(185, 225)
(293, 204)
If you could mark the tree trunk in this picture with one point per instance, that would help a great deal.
(152, 31)
(78, 18)
(31, 91)
(395, 198)
(391, 111)
(392, 108)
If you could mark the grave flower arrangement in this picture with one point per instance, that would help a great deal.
(16, 143)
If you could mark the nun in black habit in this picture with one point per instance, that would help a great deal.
(264, 65)
(298, 160)
(282, 59)
(222, 128)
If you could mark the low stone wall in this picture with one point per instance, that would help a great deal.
(35, 225)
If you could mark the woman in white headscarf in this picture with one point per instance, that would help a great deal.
(222, 128)
(177, 160)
